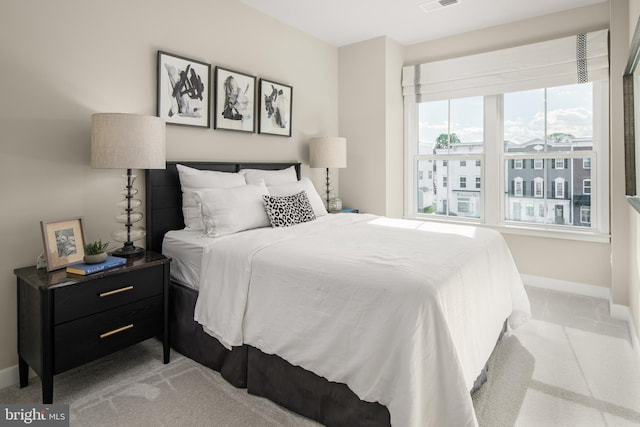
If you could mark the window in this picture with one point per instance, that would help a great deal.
(543, 154)
(538, 125)
(529, 209)
(585, 215)
(453, 147)
(538, 187)
(538, 139)
(463, 205)
(559, 188)
(517, 187)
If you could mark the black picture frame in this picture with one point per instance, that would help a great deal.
(234, 100)
(276, 108)
(184, 88)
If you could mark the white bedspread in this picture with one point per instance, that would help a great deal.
(406, 313)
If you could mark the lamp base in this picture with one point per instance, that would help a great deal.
(128, 251)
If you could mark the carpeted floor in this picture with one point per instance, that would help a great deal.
(571, 365)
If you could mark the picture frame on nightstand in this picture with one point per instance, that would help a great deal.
(63, 242)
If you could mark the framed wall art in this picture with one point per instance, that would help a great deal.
(274, 116)
(184, 87)
(63, 242)
(234, 100)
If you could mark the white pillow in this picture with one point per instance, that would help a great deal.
(305, 185)
(230, 210)
(270, 177)
(194, 180)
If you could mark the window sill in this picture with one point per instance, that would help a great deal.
(585, 236)
(522, 230)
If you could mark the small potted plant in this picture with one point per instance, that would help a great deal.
(95, 252)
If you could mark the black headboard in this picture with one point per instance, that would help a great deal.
(164, 195)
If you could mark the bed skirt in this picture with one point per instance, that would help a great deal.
(269, 376)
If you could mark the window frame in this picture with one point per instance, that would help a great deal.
(493, 158)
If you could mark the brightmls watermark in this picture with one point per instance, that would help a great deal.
(34, 415)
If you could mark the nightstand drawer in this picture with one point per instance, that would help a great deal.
(86, 298)
(89, 338)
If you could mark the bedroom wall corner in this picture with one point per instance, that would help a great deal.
(61, 64)
(371, 119)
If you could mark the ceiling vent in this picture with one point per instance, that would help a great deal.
(437, 5)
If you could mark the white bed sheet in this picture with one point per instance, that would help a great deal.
(406, 313)
(185, 247)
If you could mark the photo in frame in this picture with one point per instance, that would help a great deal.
(184, 87)
(276, 100)
(234, 100)
(63, 242)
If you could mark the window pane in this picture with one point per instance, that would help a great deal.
(557, 193)
(565, 111)
(570, 115)
(523, 117)
(426, 187)
(451, 126)
(433, 120)
(453, 190)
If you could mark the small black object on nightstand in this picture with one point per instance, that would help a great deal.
(66, 320)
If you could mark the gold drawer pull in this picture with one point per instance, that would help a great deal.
(116, 331)
(116, 291)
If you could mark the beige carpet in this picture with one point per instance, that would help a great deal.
(571, 365)
(134, 388)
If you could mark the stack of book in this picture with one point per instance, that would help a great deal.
(85, 269)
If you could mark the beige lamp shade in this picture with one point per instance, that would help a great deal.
(328, 152)
(127, 141)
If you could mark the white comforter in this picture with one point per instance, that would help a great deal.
(406, 313)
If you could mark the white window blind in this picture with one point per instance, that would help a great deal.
(568, 60)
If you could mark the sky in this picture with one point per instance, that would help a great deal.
(569, 110)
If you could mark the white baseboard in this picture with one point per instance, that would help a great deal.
(616, 311)
(10, 376)
(566, 286)
(622, 312)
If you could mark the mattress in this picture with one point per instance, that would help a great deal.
(395, 309)
(185, 247)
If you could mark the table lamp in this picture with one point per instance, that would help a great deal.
(128, 141)
(328, 152)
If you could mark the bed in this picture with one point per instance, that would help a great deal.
(324, 337)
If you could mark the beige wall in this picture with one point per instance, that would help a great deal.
(66, 59)
(371, 118)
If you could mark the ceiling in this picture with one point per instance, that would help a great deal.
(343, 22)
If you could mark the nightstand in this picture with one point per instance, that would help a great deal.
(65, 320)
